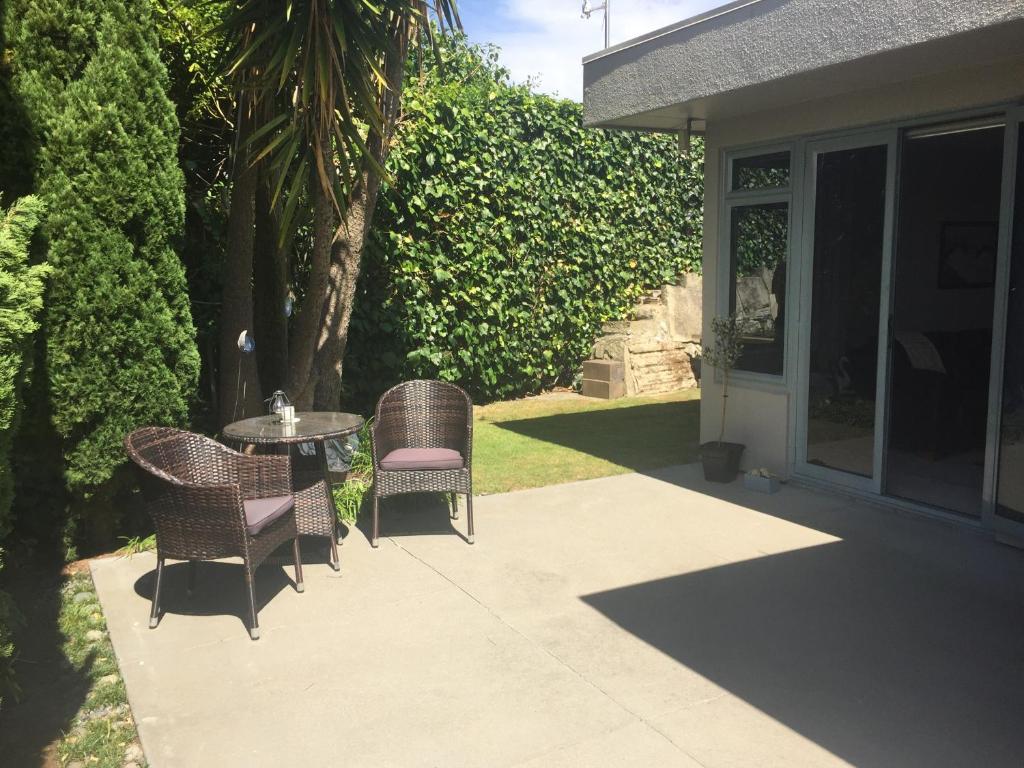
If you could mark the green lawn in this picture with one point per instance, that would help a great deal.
(546, 440)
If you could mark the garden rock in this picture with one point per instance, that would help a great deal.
(133, 754)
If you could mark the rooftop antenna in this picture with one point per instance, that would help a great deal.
(588, 9)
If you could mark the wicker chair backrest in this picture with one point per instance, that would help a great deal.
(176, 455)
(425, 414)
(190, 494)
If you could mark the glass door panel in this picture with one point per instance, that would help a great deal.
(943, 297)
(841, 394)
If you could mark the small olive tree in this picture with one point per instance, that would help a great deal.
(723, 354)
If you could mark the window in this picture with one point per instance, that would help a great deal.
(757, 221)
(759, 238)
(760, 172)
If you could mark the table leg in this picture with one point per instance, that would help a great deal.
(321, 454)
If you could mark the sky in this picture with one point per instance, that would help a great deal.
(546, 40)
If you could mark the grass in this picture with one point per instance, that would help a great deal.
(546, 440)
(103, 732)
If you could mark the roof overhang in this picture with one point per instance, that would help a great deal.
(754, 55)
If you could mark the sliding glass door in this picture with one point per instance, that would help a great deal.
(847, 236)
(947, 242)
(910, 333)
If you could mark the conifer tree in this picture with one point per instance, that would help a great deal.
(120, 344)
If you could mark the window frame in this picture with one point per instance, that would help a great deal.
(729, 200)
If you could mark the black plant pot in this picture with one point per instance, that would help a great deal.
(721, 461)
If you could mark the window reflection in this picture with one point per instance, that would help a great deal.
(759, 244)
(760, 172)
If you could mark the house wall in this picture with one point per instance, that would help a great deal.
(752, 54)
(759, 410)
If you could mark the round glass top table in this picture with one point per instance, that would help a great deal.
(309, 427)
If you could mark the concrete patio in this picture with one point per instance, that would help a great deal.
(641, 620)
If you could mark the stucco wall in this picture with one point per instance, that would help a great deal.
(760, 413)
(763, 52)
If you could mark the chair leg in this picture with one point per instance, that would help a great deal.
(469, 515)
(254, 627)
(192, 568)
(154, 614)
(299, 586)
(376, 521)
(335, 560)
(454, 498)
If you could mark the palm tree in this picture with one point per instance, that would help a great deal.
(319, 85)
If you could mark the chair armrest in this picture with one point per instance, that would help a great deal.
(467, 454)
(380, 444)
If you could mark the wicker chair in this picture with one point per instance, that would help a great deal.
(422, 437)
(209, 502)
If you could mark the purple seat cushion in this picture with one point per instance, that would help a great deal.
(422, 458)
(259, 513)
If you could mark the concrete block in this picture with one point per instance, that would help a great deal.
(606, 390)
(685, 308)
(604, 370)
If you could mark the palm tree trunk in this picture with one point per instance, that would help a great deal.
(309, 320)
(346, 261)
(239, 389)
(270, 288)
(347, 254)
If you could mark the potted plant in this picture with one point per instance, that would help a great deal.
(721, 460)
(761, 480)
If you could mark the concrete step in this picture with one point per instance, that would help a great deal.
(606, 390)
(604, 370)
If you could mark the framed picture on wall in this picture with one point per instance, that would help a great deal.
(968, 254)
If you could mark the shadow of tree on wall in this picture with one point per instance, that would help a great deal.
(877, 654)
(640, 437)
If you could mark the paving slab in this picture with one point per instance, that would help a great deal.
(651, 620)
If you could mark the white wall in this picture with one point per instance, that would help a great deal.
(759, 413)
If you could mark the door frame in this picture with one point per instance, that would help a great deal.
(1011, 186)
(888, 137)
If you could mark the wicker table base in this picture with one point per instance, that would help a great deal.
(315, 511)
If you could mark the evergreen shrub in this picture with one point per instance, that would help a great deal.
(120, 345)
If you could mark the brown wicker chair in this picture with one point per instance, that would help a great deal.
(422, 436)
(208, 502)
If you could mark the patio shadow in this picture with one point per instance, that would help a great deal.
(413, 514)
(638, 437)
(219, 591)
(877, 655)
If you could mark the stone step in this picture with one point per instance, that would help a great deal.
(650, 312)
(604, 370)
(615, 327)
(606, 390)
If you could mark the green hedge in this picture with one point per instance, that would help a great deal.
(21, 300)
(510, 233)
